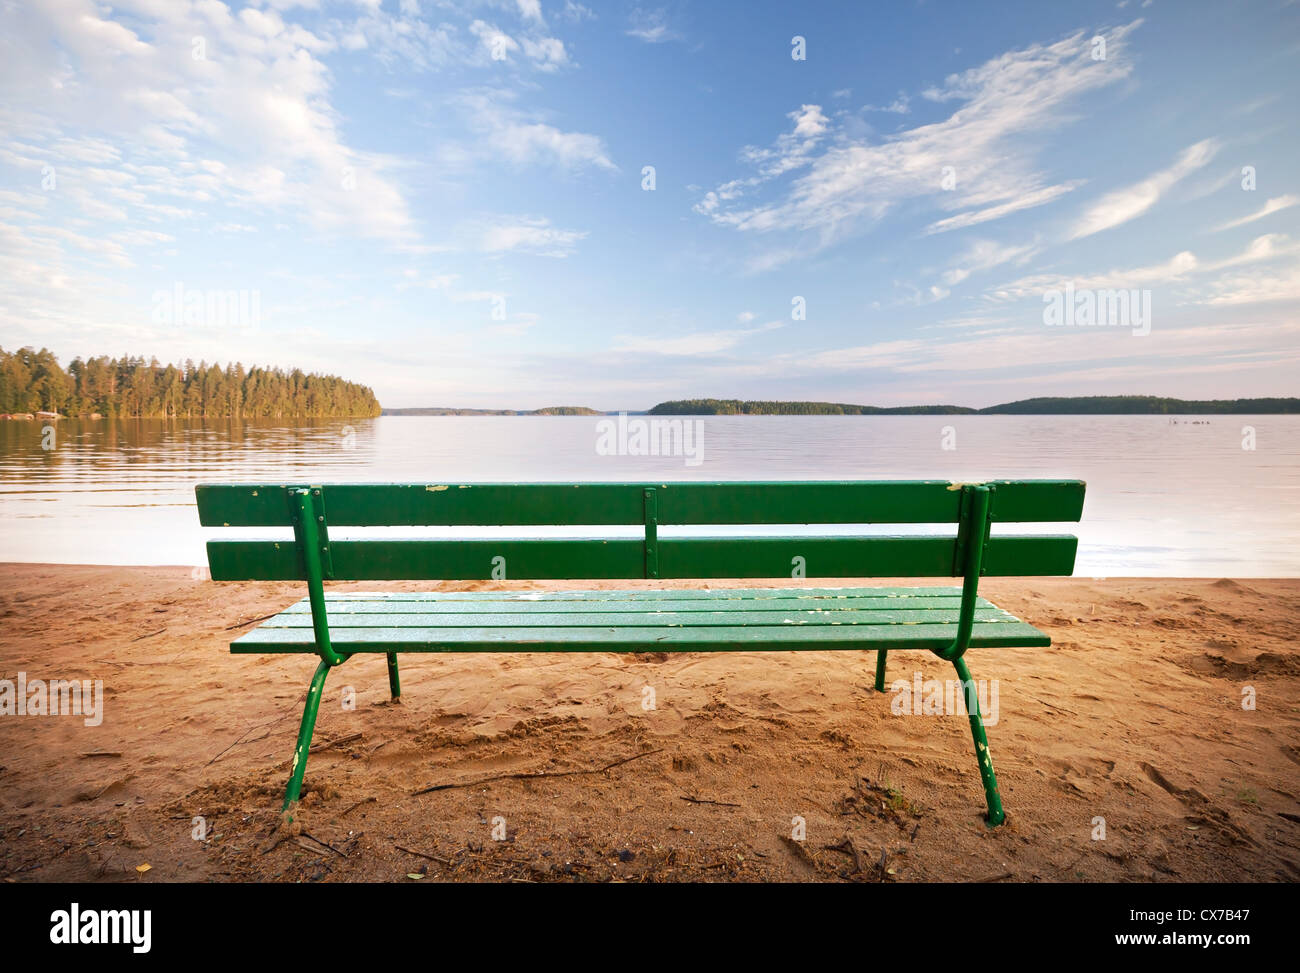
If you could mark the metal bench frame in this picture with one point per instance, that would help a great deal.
(311, 535)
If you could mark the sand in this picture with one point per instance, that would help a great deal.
(1134, 716)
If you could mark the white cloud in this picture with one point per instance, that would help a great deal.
(532, 235)
(1027, 201)
(1087, 352)
(849, 182)
(258, 93)
(1132, 201)
(530, 10)
(1183, 266)
(1176, 267)
(1270, 246)
(1257, 288)
(984, 255)
(546, 53)
(405, 39)
(700, 343)
(1268, 209)
(899, 106)
(790, 151)
(576, 12)
(509, 134)
(650, 26)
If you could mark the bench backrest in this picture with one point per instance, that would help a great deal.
(312, 510)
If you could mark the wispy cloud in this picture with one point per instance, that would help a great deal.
(1257, 288)
(790, 151)
(1132, 201)
(984, 255)
(1081, 353)
(1181, 267)
(650, 26)
(1268, 209)
(899, 106)
(509, 134)
(529, 235)
(1029, 200)
(986, 146)
(173, 113)
(1175, 268)
(699, 343)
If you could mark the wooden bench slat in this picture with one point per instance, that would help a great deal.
(647, 639)
(342, 608)
(609, 504)
(684, 557)
(340, 621)
(651, 594)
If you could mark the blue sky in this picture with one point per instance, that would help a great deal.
(446, 200)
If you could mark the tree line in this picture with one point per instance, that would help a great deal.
(741, 407)
(1057, 405)
(1144, 405)
(135, 387)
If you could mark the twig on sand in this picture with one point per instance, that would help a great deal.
(245, 733)
(323, 844)
(420, 854)
(700, 800)
(235, 744)
(109, 786)
(149, 634)
(260, 618)
(849, 849)
(102, 753)
(317, 748)
(992, 878)
(534, 775)
(273, 842)
(364, 800)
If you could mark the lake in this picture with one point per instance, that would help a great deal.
(1212, 496)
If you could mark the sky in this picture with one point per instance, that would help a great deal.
(526, 203)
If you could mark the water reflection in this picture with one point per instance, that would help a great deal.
(1163, 498)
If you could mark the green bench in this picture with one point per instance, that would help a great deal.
(943, 620)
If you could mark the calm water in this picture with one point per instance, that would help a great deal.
(1164, 498)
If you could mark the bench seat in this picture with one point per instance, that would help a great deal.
(715, 620)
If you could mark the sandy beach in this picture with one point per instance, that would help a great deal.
(1134, 715)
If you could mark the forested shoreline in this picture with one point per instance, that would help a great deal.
(134, 387)
(742, 407)
(1056, 405)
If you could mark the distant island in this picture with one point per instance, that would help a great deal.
(1090, 405)
(554, 410)
(738, 407)
(1112, 405)
(32, 383)
(1061, 406)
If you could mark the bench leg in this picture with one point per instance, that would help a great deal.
(996, 815)
(394, 686)
(880, 670)
(299, 767)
